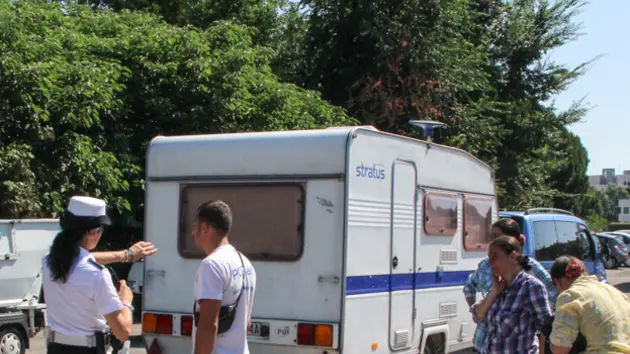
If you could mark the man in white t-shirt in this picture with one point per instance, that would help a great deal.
(222, 276)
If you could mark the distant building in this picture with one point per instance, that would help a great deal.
(609, 177)
(624, 210)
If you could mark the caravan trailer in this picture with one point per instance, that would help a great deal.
(361, 239)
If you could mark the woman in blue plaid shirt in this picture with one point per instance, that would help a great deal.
(481, 279)
(517, 305)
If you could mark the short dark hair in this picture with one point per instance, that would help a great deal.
(217, 214)
(508, 227)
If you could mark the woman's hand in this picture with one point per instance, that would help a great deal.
(141, 249)
(498, 284)
(481, 308)
(125, 294)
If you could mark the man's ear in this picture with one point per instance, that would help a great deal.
(202, 227)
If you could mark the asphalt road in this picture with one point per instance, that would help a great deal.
(619, 277)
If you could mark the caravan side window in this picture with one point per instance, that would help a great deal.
(440, 214)
(477, 223)
(268, 219)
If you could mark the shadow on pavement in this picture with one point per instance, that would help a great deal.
(623, 287)
(137, 342)
(136, 334)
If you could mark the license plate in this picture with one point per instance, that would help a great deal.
(258, 330)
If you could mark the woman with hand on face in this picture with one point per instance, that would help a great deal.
(517, 305)
(481, 279)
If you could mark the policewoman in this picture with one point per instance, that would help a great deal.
(83, 307)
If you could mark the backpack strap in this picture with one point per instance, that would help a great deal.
(243, 286)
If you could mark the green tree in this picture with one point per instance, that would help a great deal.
(568, 172)
(610, 201)
(82, 92)
(478, 65)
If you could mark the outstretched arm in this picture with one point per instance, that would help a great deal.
(137, 251)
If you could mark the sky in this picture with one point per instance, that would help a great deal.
(605, 130)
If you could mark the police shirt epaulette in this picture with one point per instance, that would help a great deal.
(99, 266)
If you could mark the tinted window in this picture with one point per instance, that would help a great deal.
(268, 219)
(477, 222)
(587, 245)
(546, 240)
(440, 214)
(568, 239)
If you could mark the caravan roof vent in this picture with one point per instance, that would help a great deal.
(427, 127)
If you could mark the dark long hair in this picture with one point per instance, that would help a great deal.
(63, 252)
(509, 244)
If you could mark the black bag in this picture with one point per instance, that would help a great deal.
(114, 342)
(226, 313)
(579, 345)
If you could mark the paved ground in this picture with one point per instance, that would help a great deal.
(620, 278)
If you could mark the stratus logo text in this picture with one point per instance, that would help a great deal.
(374, 172)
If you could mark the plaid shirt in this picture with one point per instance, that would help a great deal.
(481, 281)
(515, 316)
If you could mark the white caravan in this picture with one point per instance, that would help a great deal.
(23, 243)
(361, 239)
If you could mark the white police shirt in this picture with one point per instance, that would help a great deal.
(220, 277)
(78, 306)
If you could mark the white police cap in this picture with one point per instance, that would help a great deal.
(85, 213)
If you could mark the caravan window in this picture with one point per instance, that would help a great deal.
(440, 214)
(267, 219)
(477, 223)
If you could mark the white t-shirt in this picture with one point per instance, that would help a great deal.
(220, 277)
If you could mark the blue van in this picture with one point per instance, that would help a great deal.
(553, 232)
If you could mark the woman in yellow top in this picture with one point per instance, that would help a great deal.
(599, 311)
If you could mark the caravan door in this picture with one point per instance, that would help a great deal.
(403, 262)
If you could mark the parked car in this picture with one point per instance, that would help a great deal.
(551, 233)
(614, 252)
(623, 237)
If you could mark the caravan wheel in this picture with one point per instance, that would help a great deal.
(435, 345)
(11, 341)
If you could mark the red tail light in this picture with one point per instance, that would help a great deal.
(164, 324)
(154, 348)
(320, 335)
(306, 334)
(186, 326)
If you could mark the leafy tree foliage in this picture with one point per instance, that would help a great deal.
(83, 89)
(610, 201)
(478, 65)
(83, 92)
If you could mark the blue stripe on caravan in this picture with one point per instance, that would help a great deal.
(384, 283)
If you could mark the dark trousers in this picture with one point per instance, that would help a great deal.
(56, 348)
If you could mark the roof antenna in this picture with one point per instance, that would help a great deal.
(427, 127)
